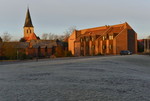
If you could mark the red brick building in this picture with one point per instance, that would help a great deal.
(103, 40)
(146, 45)
(39, 48)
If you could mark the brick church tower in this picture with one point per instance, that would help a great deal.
(29, 28)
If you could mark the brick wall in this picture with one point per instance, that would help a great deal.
(71, 40)
(132, 44)
(121, 41)
(77, 48)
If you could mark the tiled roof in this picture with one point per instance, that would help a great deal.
(31, 44)
(43, 43)
(15, 44)
(100, 31)
(104, 30)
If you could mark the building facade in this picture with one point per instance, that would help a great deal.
(146, 45)
(103, 40)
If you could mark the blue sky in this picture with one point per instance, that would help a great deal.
(56, 16)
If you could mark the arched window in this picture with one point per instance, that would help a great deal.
(46, 51)
(39, 52)
(81, 39)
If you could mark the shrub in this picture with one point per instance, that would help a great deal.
(99, 54)
(68, 54)
(59, 52)
(3, 58)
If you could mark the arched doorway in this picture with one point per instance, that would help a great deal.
(39, 52)
(46, 51)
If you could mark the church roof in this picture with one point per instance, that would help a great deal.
(28, 21)
(32, 36)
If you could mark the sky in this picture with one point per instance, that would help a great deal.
(56, 16)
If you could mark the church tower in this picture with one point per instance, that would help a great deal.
(29, 28)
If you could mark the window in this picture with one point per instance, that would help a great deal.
(103, 37)
(46, 50)
(82, 48)
(110, 46)
(93, 38)
(87, 47)
(87, 39)
(27, 31)
(104, 46)
(111, 37)
(81, 40)
(93, 47)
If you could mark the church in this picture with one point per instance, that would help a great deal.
(29, 28)
(103, 40)
(30, 45)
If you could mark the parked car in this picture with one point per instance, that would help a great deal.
(125, 52)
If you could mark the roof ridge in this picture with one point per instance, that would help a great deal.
(102, 27)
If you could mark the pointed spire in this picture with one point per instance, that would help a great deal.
(28, 21)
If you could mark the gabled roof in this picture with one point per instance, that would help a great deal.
(28, 21)
(104, 30)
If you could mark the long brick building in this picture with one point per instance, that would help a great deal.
(103, 40)
(30, 45)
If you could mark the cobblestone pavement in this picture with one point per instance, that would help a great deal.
(110, 78)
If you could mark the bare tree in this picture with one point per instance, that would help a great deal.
(51, 36)
(54, 36)
(6, 37)
(44, 36)
(1, 40)
(68, 32)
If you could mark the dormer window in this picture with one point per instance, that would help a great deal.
(110, 46)
(81, 40)
(104, 46)
(87, 39)
(104, 37)
(93, 38)
(111, 37)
